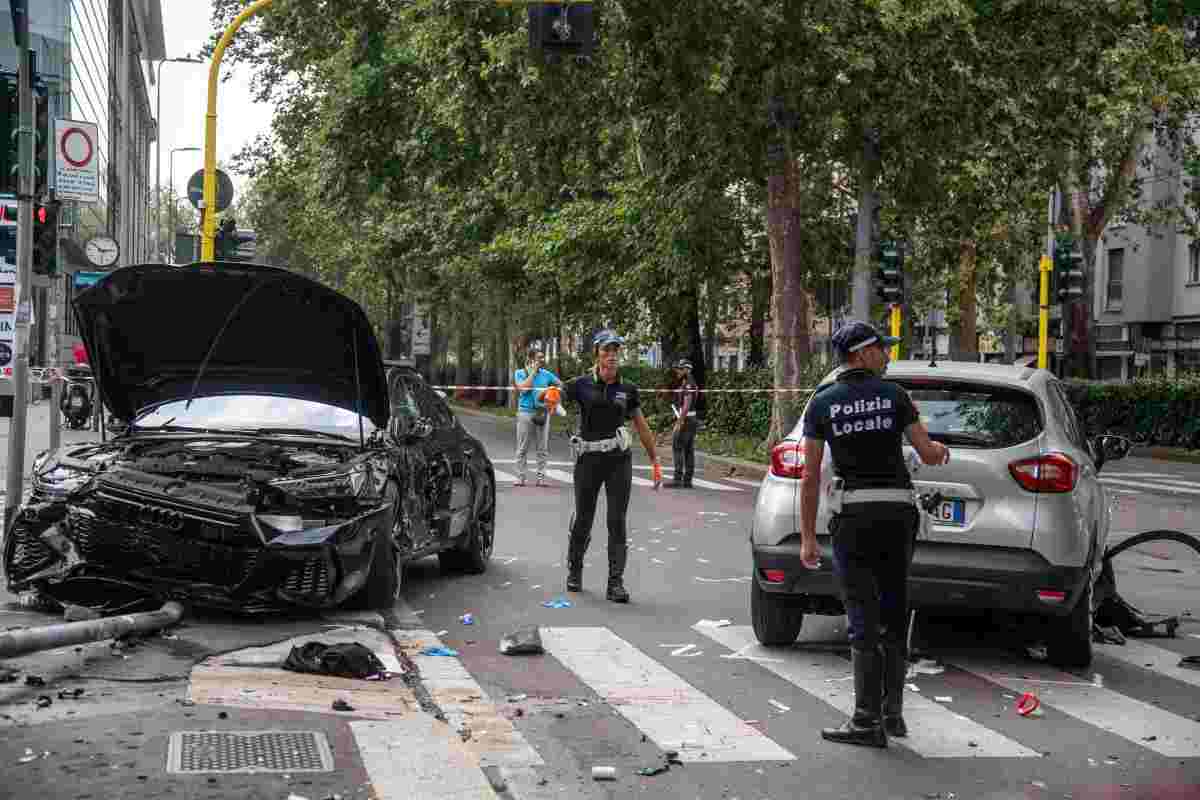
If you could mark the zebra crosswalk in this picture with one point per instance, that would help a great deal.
(965, 710)
(557, 475)
(1150, 483)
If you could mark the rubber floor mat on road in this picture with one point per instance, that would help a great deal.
(196, 752)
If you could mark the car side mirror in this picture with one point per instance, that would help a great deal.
(1110, 447)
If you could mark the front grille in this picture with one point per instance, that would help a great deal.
(29, 552)
(248, 752)
(311, 578)
(162, 542)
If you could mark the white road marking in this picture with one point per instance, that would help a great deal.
(1132, 720)
(504, 477)
(1147, 656)
(533, 462)
(716, 486)
(418, 758)
(559, 475)
(744, 482)
(1159, 487)
(667, 709)
(934, 731)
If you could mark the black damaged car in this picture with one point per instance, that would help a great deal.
(270, 460)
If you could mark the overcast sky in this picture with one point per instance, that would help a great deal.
(187, 25)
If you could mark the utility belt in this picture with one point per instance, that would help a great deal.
(839, 497)
(620, 440)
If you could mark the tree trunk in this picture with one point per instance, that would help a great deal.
(760, 301)
(967, 348)
(695, 341)
(864, 241)
(1012, 338)
(710, 325)
(789, 302)
(464, 351)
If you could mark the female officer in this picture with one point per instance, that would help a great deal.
(603, 458)
(683, 439)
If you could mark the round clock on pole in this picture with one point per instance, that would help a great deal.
(102, 251)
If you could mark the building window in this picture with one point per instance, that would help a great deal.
(1110, 368)
(1194, 262)
(1116, 274)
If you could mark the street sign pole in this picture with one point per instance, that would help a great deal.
(21, 290)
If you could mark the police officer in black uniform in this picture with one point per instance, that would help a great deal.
(604, 459)
(862, 418)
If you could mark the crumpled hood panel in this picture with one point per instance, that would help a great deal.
(258, 330)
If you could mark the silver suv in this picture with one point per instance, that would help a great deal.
(1017, 521)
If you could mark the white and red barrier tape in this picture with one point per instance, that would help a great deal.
(662, 389)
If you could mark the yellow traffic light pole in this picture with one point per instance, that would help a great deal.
(896, 330)
(1044, 267)
(210, 132)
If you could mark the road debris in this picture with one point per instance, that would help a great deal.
(925, 666)
(30, 755)
(441, 633)
(657, 769)
(439, 651)
(467, 618)
(713, 623)
(558, 602)
(943, 698)
(526, 640)
(74, 613)
(912, 687)
(780, 706)
(341, 705)
(604, 773)
(345, 660)
(1029, 705)
(1191, 662)
(35, 680)
(517, 698)
(70, 694)
(43, 701)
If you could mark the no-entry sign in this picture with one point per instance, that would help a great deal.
(76, 160)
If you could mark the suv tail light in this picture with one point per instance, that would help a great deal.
(1053, 472)
(787, 460)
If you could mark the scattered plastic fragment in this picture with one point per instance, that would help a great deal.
(713, 623)
(74, 613)
(517, 698)
(70, 694)
(912, 687)
(467, 619)
(44, 701)
(1037, 652)
(439, 651)
(943, 698)
(1191, 662)
(655, 770)
(1098, 680)
(702, 560)
(604, 773)
(672, 757)
(779, 705)
(441, 633)
(526, 640)
(686, 650)
(1029, 705)
(925, 666)
(342, 705)
(558, 602)
(1039, 784)
(34, 680)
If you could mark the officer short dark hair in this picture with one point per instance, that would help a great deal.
(855, 335)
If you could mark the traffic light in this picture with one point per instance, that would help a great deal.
(890, 288)
(225, 240)
(561, 29)
(1068, 266)
(45, 238)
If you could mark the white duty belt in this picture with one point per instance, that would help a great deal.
(877, 496)
(620, 441)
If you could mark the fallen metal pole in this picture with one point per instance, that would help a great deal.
(48, 637)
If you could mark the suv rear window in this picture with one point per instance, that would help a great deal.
(972, 415)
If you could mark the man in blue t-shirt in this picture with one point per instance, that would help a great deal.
(532, 419)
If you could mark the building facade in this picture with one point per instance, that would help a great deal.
(94, 61)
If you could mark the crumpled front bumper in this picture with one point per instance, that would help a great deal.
(65, 550)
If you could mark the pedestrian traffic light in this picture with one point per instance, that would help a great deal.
(45, 238)
(1068, 264)
(562, 29)
(225, 239)
(890, 288)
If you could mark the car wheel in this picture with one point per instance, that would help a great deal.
(1070, 641)
(776, 619)
(475, 551)
(386, 576)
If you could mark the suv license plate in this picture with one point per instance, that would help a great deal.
(951, 512)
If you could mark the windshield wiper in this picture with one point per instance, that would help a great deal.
(296, 432)
(167, 426)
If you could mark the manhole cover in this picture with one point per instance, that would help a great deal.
(249, 751)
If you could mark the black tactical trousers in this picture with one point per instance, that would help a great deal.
(614, 472)
(683, 447)
(872, 552)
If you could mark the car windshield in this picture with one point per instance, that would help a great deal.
(971, 415)
(255, 412)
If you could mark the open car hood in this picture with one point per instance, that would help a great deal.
(255, 329)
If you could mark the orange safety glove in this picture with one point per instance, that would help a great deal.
(657, 472)
(551, 398)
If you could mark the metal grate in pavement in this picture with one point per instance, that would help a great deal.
(195, 752)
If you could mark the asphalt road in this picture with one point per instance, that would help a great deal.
(620, 685)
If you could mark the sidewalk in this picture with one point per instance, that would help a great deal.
(37, 438)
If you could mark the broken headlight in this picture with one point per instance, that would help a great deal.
(353, 483)
(57, 482)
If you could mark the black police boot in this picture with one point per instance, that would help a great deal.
(864, 727)
(895, 670)
(575, 550)
(617, 554)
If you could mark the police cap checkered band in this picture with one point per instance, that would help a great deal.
(606, 337)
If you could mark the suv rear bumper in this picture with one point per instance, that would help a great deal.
(942, 575)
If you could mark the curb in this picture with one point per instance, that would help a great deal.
(1175, 454)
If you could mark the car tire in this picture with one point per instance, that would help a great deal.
(776, 620)
(474, 552)
(1070, 641)
(386, 576)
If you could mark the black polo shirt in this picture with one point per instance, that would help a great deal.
(603, 407)
(862, 418)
